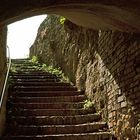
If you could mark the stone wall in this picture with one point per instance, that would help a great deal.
(120, 54)
(3, 36)
(103, 64)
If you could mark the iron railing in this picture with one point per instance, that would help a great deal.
(6, 78)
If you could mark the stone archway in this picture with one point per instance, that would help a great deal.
(119, 15)
(103, 14)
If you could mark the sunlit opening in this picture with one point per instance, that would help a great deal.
(22, 34)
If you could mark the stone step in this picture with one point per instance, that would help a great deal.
(55, 105)
(43, 108)
(81, 136)
(25, 64)
(34, 77)
(46, 93)
(15, 61)
(44, 88)
(36, 80)
(38, 71)
(52, 112)
(55, 120)
(33, 74)
(74, 98)
(27, 70)
(57, 129)
(18, 83)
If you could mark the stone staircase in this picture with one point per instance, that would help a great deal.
(41, 107)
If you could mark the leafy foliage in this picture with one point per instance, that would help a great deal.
(56, 71)
(34, 60)
(13, 69)
(62, 20)
(88, 104)
(44, 67)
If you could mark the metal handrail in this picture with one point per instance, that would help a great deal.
(6, 78)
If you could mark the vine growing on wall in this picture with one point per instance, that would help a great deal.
(44, 67)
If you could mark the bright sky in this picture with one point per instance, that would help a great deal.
(22, 34)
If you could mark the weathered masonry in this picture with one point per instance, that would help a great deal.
(103, 64)
(117, 52)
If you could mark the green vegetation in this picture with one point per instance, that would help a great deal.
(52, 70)
(44, 67)
(88, 104)
(13, 69)
(34, 60)
(10, 81)
(62, 20)
(56, 71)
(41, 67)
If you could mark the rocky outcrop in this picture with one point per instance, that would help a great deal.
(103, 64)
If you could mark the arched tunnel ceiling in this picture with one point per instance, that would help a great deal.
(123, 15)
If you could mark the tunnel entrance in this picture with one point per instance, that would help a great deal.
(105, 62)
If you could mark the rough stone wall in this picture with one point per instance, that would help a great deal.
(120, 54)
(103, 64)
(3, 36)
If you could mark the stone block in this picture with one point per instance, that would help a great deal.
(120, 98)
(123, 104)
(110, 115)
